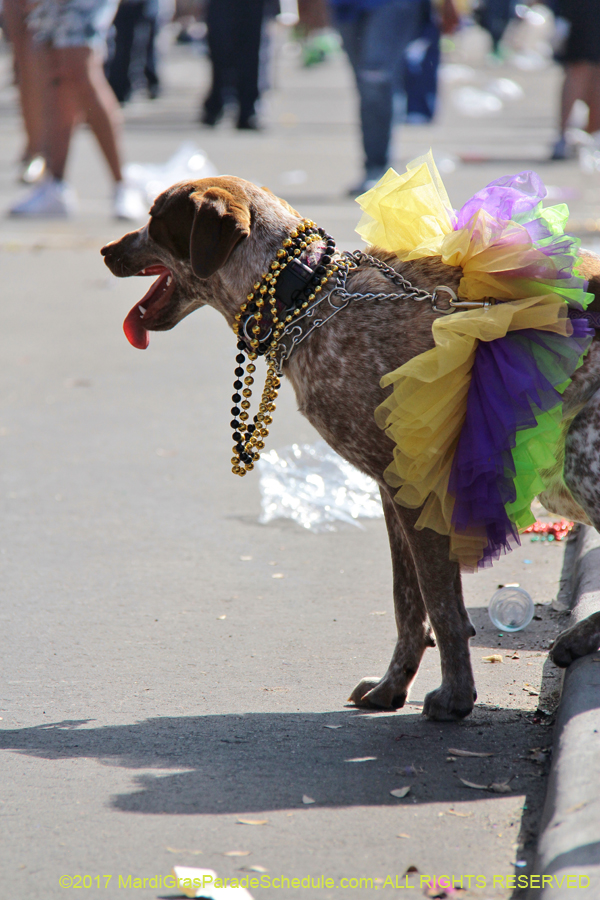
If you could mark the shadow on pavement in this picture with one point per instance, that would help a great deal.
(268, 761)
(583, 855)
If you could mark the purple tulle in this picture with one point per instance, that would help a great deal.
(513, 379)
(514, 196)
(504, 198)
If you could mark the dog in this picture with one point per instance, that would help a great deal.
(210, 241)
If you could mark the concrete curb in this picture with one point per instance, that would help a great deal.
(569, 843)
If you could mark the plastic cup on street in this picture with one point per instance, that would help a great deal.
(511, 609)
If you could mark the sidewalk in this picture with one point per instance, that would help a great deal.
(569, 842)
(158, 683)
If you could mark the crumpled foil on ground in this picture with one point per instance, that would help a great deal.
(188, 162)
(316, 488)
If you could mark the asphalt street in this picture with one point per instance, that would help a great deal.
(171, 667)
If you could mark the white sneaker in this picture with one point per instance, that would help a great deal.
(127, 203)
(51, 199)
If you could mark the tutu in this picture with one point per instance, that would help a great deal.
(477, 420)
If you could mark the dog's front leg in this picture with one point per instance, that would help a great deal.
(414, 635)
(440, 583)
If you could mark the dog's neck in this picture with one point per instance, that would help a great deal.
(228, 289)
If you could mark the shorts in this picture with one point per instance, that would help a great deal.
(72, 23)
(583, 41)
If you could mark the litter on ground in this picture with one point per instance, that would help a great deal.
(400, 792)
(206, 883)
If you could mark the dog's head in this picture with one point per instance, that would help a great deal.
(208, 241)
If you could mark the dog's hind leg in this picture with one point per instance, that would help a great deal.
(441, 589)
(582, 477)
(414, 635)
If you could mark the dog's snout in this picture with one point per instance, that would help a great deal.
(129, 255)
(114, 258)
(111, 252)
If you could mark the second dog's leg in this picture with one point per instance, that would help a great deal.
(582, 477)
(440, 583)
(414, 636)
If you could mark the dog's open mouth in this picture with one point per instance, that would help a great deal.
(145, 314)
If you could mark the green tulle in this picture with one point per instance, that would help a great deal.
(538, 451)
(537, 458)
(547, 227)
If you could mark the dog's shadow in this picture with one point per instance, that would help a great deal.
(268, 761)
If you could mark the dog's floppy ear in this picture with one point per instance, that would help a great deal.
(221, 221)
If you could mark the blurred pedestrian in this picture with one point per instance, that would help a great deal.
(234, 37)
(418, 76)
(581, 59)
(494, 16)
(71, 38)
(132, 59)
(30, 83)
(375, 35)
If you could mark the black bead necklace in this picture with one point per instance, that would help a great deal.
(249, 436)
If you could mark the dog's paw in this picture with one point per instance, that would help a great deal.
(377, 693)
(448, 705)
(580, 640)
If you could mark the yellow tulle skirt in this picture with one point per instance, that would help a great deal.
(411, 215)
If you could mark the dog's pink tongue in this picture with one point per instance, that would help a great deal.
(135, 332)
(133, 325)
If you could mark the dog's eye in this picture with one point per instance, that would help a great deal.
(158, 230)
(174, 239)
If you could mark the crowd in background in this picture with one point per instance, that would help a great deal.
(80, 60)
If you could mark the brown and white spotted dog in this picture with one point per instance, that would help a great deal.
(209, 241)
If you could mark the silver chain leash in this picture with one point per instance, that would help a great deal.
(339, 297)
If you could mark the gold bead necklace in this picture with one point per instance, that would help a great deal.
(249, 436)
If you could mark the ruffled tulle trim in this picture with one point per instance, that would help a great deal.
(476, 419)
(512, 432)
(428, 407)
(507, 244)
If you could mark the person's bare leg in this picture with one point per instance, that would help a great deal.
(575, 87)
(593, 99)
(63, 108)
(103, 113)
(79, 91)
(32, 89)
(313, 14)
(30, 80)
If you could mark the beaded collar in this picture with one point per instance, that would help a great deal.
(295, 283)
(283, 293)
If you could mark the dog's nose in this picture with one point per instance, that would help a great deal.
(106, 249)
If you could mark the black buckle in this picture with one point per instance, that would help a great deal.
(291, 290)
(292, 283)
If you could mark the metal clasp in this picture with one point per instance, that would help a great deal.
(250, 337)
(472, 304)
(447, 310)
(455, 304)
